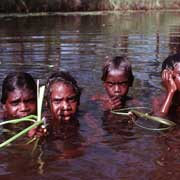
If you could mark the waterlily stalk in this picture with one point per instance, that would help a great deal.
(21, 133)
(121, 111)
(40, 101)
(33, 118)
(134, 111)
(152, 129)
(154, 118)
(30, 118)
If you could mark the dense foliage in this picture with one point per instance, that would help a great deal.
(7, 6)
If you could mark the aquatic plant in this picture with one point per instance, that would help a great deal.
(36, 119)
(134, 115)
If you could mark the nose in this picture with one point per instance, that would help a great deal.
(23, 106)
(65, 105)
(117, 88)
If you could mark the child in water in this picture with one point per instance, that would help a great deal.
(117, 78)
(18, 95)
(171, 80)
(63, 98)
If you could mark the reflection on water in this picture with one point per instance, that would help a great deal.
(109, 147)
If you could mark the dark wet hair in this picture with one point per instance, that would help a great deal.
(17, 80)
(170, 61)
(120, 63)
(66, 78)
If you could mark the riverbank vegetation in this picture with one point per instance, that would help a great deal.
(27, 6)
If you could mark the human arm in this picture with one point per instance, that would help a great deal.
(169, 84)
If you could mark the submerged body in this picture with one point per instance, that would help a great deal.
(19, 93)
(168, 105)
(117, 78)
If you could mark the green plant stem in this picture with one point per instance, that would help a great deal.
(154, 118)
(31, 118)
(134, 111)
(152, 129)
(120, 111)
(20, 133)
(16, 121)
(40, 101)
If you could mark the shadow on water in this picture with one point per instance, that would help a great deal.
(80, 43)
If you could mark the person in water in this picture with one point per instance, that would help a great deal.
(169, 104)
(19, 92)
(63, 99)
(117, 78)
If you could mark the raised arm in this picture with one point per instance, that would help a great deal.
(169, 84)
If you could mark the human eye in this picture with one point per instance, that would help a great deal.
(109, 83)
(14, 103)
(126, 83)
(72, 98)
(56, 101)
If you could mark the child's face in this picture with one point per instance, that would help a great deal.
(20, 103)
(63, 102)
(117, 83)
(176, 75)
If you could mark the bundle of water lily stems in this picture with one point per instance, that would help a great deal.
(35, 119)
(134, 115)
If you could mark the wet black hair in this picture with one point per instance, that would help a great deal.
(66, 78)
(120, 63)
(17, 80)
(170, 61)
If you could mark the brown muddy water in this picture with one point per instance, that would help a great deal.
(104, 147)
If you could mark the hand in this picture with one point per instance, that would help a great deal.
(116, 102)
(37, 132)
(168, 81)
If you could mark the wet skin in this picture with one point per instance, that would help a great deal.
(176, 75)
(171, 78)
(171, 81)
(63, 102)
(20, 103)
(117, 87)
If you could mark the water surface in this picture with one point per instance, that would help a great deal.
(106, 147)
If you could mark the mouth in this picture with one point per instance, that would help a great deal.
(23, 114)
(65, 117)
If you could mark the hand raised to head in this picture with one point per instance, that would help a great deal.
(168, 80)
(116, 102)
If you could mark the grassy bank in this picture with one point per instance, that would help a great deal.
(21, 6)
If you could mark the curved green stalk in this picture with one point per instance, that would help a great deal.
(134, 111)
(33, 118)
(14, 121)
(152, 129)
(21, 133)
(154, 118)
(121, 111)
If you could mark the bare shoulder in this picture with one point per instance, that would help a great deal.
(99, 97)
